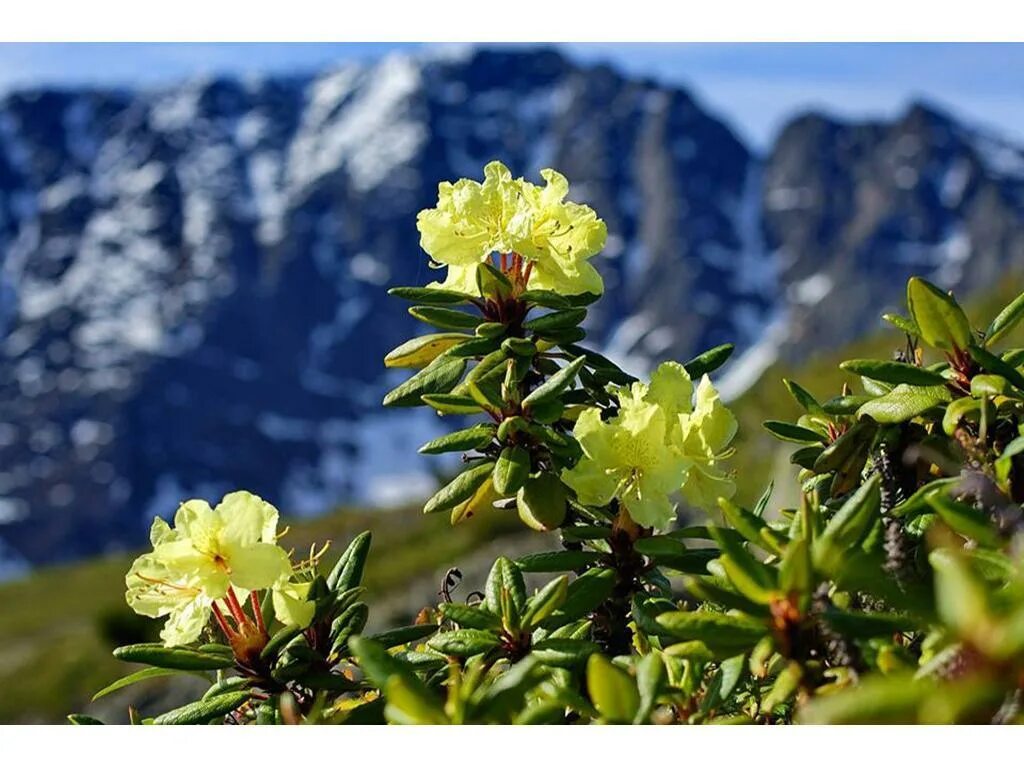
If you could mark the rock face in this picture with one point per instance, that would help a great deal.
(192, 294)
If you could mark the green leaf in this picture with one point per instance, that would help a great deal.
(716, 630)
(601, 365)
(784, 688)
(845, 405)
(464, 642)
(409, 704)
(460, 489)
(79, 719)
(445, 318)
(392, 638)
(549, 599)
(348, 571)
(990, 385)
(135, 677)
(848, 526)
(918, 501)
(469, 439)
(423, 350)
(612, 690)
(279, 640)
(903, 403)
(719, 591)
(158, 655)
(201, 712)
(489, 330)
(942, 322)
(863, 626)
(541, 502)
(511, 470)
(428, 295)
(902, 323)
(994, 364)
(585, 594)
(452, 405)
(892, 372)
(556, 321)
(806, 456)
(748, 575)
(379, 665)
(803, 398)
(516, 347)
(470, 616)
(691, 561)
(563, 652)
(492, 282)
(708, 361)
(505, 577)
(957, 410)
(226, 685)
(793, 433)
(437, 378)
(560, 560)
(548, 299)
(965, 519)
(473, 348)
(1004, 322)
(650, 679)
(875, 700)
(555, 385)
(847, 449)
(751, 527)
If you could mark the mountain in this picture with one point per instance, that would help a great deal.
(192, 295)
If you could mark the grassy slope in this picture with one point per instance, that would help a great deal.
(57, 626)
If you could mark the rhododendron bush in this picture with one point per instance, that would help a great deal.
(892, 592)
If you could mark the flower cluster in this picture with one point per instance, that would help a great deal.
(224, 553)
(659, 442)
(516, 219)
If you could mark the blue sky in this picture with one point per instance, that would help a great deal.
(755, 87)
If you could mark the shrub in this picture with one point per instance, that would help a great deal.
(894, 591)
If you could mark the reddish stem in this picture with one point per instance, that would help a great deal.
(504, 262)
(222, 622)
(526, 273)
(236, 608)
(257, 612)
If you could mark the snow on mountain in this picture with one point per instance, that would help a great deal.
(192, 293)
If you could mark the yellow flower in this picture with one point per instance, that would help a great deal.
(704, 437)
(562, 237)
(154, 591)
(628, 458)
(657, 444)
(207, 553)
(472, 221)
(291, 605)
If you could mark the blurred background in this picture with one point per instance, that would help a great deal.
(196, 240)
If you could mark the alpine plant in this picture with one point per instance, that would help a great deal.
(893, 591)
